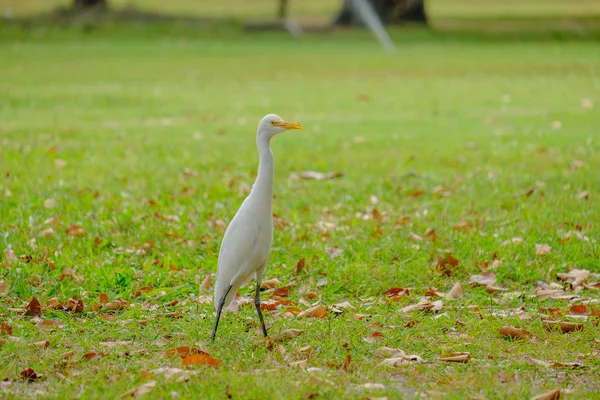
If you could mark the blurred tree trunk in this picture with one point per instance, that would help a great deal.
(389, 11)
(90, 4)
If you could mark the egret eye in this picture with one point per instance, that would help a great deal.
(272, 122)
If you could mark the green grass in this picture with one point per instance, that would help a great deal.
(129, 109)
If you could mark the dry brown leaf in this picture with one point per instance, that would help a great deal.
(70, 273)
(542, 249)
(395, 294)
(75, 230)
(270, 283)
(48, 323)
(574, 277)
(551, 395)
(140, 390)
(571, 365)
(5, 328)
(515, 240)
(424, 305)
(487, 278)
(456, 292)
(181, 351)
(456, 357)
(445, 264)
(9, 257)
(74, 305)
(583, 195)
(4, 288)
(494, 289)
(563, 326)
(114, 305)
(115, 343)
(47, 232)
(335, 252)
(201, 359)
(358, 317)
(174, 374)
(514, 332)
(205, 285)
(317, 311)
(300, 265)
(93, 355)
(49, 203)
(103, 298)
(578, 309)
(41, 344)
(30, 375)
(34, 309)
(318, 176)
(287, 334)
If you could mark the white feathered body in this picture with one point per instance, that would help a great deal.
(247, 241)
(245, 248)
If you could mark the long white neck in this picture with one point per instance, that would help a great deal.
(263, 186)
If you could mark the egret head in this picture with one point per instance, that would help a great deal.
(272, 125)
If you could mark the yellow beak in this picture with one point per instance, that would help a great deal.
(289, 125)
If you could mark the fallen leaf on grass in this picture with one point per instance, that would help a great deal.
(5, 328)
(374, 337)
(494, 289)
(4, 288)
(563, 326)
(34, 309)
(287, 334)
(140, 390)
(9, 257)
(456, 292)
(514, 332)
(551, 395)
(456, 357)
(116, 343)
(542, 249)
(578, 309)
(114, 305)
(43, 344)
(75, 231)
(318, 176)
(574, 277)
(300, 265)
(424, 305)
(394, 356)
(201, 359)
(583, 195)
(48, 323)
(70, 273)
(270, 284)
(571, 365)
(93, 355)
(515, 240)
(74, 304)
(487, 278)
(30, 375)
(317, 311)
(335, 252)
(395, 294)
(174, 374)
(445, 264)
(428, 235)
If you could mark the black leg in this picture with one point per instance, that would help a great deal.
(221, 304)
(257, 304)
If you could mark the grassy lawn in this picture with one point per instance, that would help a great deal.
(124, 153)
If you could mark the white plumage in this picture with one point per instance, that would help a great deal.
(247, 241)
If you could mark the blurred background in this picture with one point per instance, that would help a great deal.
(439, 14)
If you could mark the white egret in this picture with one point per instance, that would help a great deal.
(247, 241)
